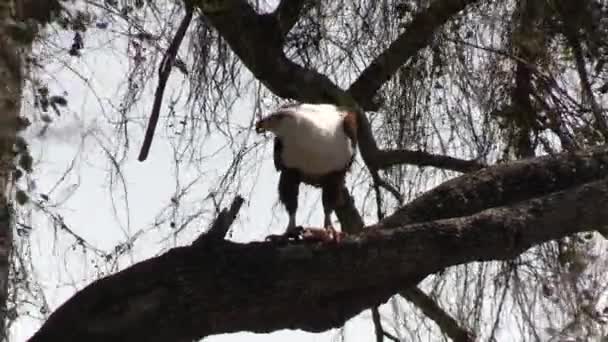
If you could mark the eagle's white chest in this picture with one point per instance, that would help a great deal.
(316, 145)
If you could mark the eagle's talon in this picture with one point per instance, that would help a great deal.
(276, 238)
(323, 235)
(294, 232)
(334, 235)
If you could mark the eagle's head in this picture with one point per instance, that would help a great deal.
(274, 123)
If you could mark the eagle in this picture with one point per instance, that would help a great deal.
(314, 144)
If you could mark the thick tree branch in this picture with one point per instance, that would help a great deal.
(255, 286)
(41, 11)
(446, 323)
(387, 158)
(164, 70)
(257, 41)
(287, 14)
(417, 35)
(500, 185)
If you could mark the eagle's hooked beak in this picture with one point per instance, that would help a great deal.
(269, 123)
(261, 126)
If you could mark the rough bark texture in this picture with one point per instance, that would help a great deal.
(10, 105)
(216, 287)
(19, 22)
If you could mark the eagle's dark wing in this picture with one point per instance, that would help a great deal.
(350, 127)
(278, 148)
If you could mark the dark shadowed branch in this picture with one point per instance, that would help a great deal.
(255, 286)
(502, 185)
(379, 330)
(432, 310)
(377, 324)
(222, 222)
(164, 70)
(287, 14)
(387, 158)
(417, 35)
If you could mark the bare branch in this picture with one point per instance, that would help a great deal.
(256, 41)
(171, 297)
(164, 70)
(502, 185)
(287, 14)
(417, 35)
(222, 223)
(446, 323)
(388, 158)
(377, 324)
(379, 330)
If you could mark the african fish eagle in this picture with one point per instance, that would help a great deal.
(314, 144)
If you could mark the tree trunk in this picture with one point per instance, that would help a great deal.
(11, 85)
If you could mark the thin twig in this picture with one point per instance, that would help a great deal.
(164, 70)
(377, 324)
(600, 119)
(287, 14)
(384, 184)
(390, 336)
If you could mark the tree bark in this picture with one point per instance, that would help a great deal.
(214, 287)
(19, 24)
(10, 106)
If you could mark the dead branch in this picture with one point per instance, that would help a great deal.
(504, 184)
(222, 223)
(432, 310)
(164, 70)
(416, 36)
(379, 330)
(287, 14)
